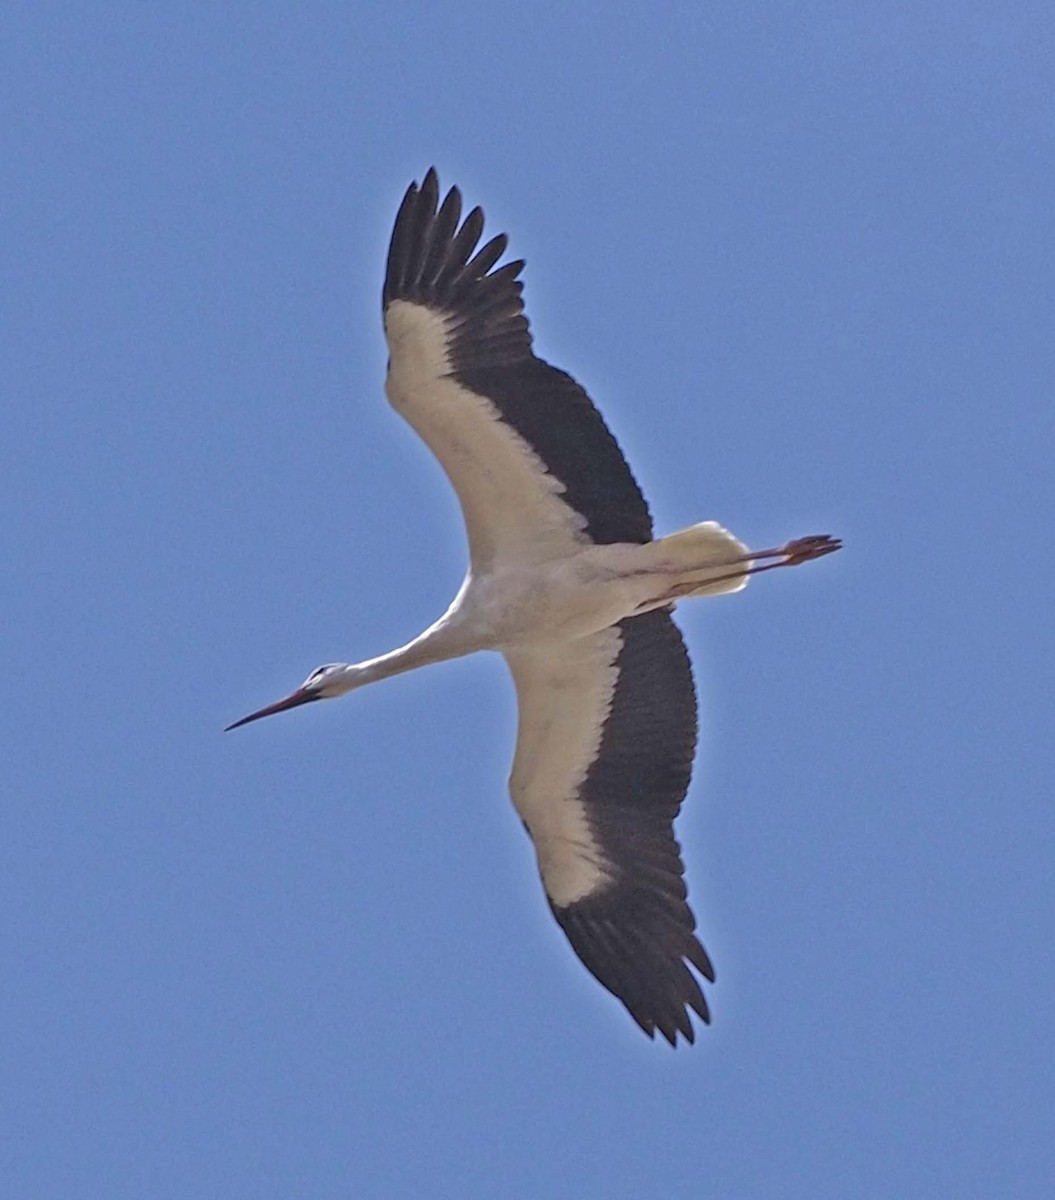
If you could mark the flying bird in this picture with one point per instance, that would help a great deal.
(567, 582)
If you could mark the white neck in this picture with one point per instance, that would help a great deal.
(446, 639)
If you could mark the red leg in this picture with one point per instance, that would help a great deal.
(792, 554)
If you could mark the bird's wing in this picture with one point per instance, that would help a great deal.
(534, 465)
(604, 754)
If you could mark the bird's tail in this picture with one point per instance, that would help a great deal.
(714, 561)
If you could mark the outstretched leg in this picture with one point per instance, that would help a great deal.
(792, 554)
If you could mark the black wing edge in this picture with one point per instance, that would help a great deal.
(431, 261)
(637, 936)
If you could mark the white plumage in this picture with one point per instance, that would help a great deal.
(566, 581)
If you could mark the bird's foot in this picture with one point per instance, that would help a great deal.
(791, 554)
(804, 549)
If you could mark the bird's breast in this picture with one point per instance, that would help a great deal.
(546, 603)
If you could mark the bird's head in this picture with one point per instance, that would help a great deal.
(324, 683)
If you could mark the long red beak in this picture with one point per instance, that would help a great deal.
(293, 700)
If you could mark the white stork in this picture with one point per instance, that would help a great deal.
(567, 583)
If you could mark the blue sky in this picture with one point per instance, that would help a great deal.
(802, 257)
